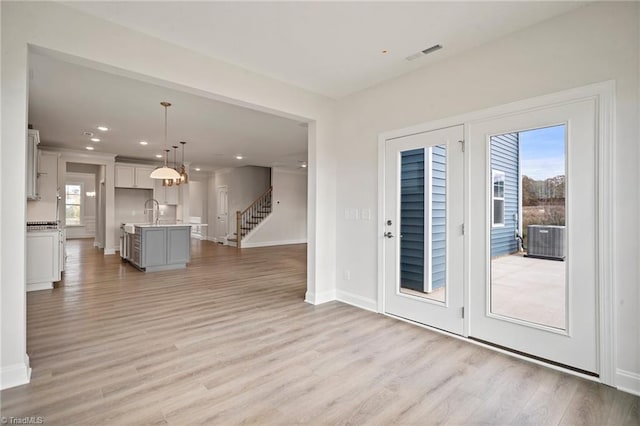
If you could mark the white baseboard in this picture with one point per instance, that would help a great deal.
(110, 251)
(39, 286)
(274, 243)
(357, 301)
(320, 298)
(628, 381)
(15, 375)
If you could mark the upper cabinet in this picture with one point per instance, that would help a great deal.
(133, 176)
(33, 139)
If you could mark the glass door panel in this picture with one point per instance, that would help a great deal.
(528, 226)
(423, 222)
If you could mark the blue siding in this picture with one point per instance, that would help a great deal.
(438, 216)
(505, 158)
(412, 219)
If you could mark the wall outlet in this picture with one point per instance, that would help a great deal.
(347, 274)
(365, 214)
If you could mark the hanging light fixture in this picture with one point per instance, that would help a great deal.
(175, 165)
(171, 182)
(184, 177)
(165, 172)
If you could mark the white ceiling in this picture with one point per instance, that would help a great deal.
(66, 100)
(332, 48)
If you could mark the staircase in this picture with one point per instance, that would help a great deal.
(250, 217)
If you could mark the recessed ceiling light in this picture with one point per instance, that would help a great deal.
(384, 52)
(158, 155)
(89, 134)
(102, 128)
(303, 166)
(144, 143)
(239, 157)
(95, 139)
(197, 169)
(90, 148)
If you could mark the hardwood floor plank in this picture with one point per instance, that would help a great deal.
(229, 340)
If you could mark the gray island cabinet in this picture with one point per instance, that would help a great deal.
(160, 247)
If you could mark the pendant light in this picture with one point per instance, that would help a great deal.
(165, 172)
(175, 164)
(184, 177)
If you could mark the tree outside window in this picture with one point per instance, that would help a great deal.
(73, 204)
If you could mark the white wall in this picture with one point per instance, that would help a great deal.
(93, 41)
(592, 44)
(129, 205)
(198, 196)
(287, 223)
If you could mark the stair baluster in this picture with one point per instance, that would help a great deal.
(251, 217)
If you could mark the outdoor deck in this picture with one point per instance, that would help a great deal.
(529, 289)
(525, 288)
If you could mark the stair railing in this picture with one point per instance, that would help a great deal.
(250, 217)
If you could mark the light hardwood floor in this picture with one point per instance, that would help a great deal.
(229, 340)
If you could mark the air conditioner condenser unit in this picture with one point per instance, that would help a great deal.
(546, 241)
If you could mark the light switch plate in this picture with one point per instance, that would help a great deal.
(351, 213)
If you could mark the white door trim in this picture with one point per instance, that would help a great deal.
(604, 93)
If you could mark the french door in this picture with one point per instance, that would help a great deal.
(423, 228)
(533, 258)
(528, 281)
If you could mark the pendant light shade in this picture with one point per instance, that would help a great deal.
(165, 172)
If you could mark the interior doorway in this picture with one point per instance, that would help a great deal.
(222, 217)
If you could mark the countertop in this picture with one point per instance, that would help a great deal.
(160, 225)
(130, 228)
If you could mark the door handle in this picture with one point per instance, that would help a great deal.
(388, 234)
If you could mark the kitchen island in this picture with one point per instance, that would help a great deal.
(158, 247)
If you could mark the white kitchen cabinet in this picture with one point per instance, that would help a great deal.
(43, 259)
(166, 194)
(48, 178)
(45, 208)
(133, 176)
(142, 177)
(33, 139)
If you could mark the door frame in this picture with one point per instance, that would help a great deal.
(604, 95)
(226, 232)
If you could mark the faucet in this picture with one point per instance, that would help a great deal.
(154, 209)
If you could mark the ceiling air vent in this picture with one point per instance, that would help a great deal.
(424, 52)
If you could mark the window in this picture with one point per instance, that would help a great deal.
(73, 204)
(498, 198)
